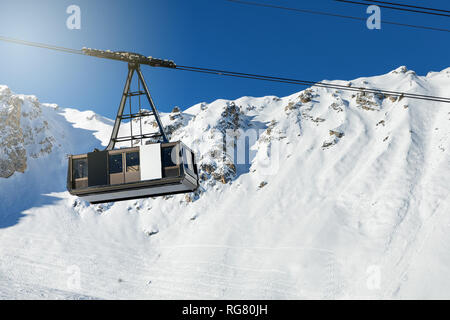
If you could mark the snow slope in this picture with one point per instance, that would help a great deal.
(342, 195)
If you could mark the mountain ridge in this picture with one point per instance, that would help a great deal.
(334, 195)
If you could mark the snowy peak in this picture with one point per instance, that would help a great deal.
(401, 69)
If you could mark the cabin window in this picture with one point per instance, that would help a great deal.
(190, 157)
(115, 163)
(188, 160)
(169, 160)
(169, 157)
(132, 161)
(80, 168)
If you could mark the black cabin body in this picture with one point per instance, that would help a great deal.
(148, 170)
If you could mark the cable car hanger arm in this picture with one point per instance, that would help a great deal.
(129, 57)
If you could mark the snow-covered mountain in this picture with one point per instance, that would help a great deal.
(334, 195)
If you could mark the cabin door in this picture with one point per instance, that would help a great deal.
(132, 167)
(116, 172)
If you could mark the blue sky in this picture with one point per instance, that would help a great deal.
(206, 33)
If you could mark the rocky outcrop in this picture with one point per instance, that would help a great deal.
(231, 117)
(23, 132)
(369, 101)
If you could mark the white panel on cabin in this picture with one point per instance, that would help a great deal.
(150, 161)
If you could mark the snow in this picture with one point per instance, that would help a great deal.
(359, 212)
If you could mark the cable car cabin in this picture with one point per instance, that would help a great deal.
(130, 173)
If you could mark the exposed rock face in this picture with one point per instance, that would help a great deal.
(231, 117)
(336, 133)
(306, 96)
(23, 132)
(12, 154)
(369, 101)
(292, 106)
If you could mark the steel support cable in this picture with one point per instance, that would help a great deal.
(258, 77)
(408, 5)
(252, 3)
(41, 45)
(312, 83)
(397, 8)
